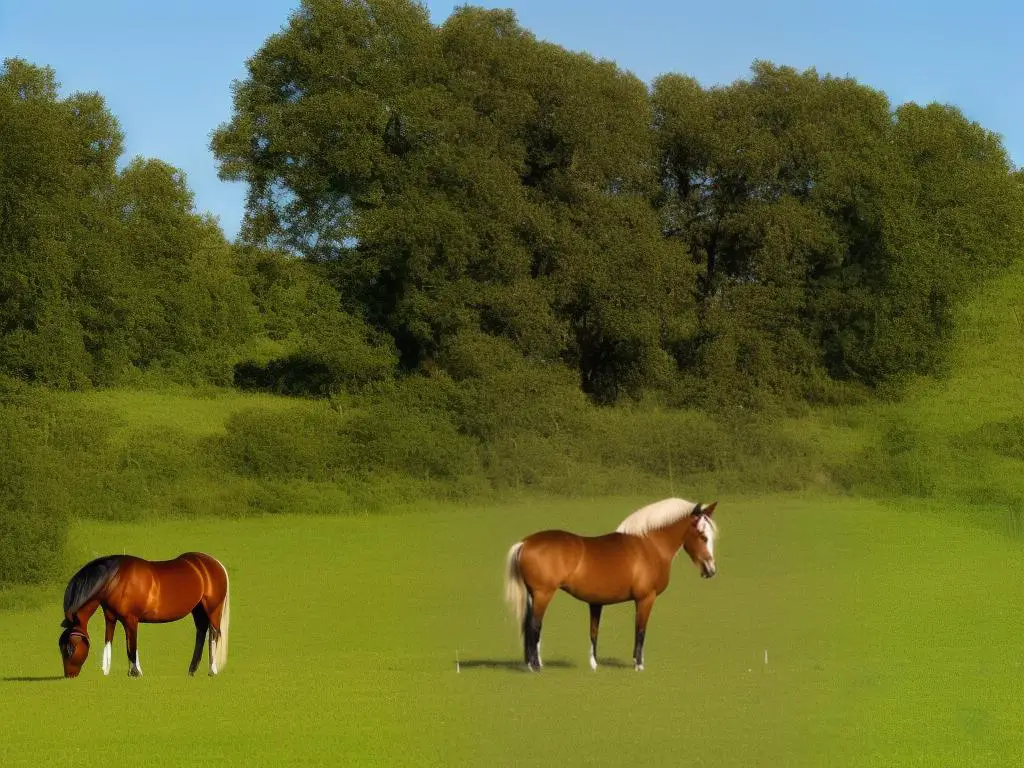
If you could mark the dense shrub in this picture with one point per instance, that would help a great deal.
(306, 445)
(1005, 438)
(33, 498)
(390, 436)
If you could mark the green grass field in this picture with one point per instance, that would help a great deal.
(892, 632)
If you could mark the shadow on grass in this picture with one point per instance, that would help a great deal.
(42, 679)
(519, 666)
(511, 666)
(615, 663)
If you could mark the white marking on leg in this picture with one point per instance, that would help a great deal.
(137, 665)
(593, 659)
(106, 658)
(539, 662)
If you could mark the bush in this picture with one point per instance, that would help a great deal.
(393, 436)
(306, 445)
(33, 497)
(1005, 438)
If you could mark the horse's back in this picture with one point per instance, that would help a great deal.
(208, 562)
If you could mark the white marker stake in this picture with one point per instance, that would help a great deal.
(457, 668)
(766, 657)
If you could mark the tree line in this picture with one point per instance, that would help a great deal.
(435, 200)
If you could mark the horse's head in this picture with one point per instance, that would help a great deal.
(74, 650)
(699, 541)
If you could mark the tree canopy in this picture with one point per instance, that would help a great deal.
(761, 240)
(430, 198)
(104, 273)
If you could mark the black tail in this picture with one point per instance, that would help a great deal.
(90, 578)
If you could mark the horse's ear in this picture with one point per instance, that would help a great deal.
(709, 509)
(698, 510)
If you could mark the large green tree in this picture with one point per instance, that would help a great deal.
(56, 163)
(736, 245)
(103, 273)
(832, 233)
(463, 179)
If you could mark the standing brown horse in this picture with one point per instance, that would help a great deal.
(631, 564)
(132, 590)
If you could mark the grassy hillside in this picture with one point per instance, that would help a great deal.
(960, 438)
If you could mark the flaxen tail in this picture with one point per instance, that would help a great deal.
(221, 648)
(515, 588)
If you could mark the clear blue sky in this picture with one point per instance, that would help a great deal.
(165, 68)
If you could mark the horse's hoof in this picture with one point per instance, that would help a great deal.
(639, 667)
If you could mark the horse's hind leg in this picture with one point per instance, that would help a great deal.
(131, 634)
(216, 617)
(202, 626)
(215, 603)
(528, 630)
(540, 602)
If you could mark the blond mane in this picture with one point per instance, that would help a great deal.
(657, 515)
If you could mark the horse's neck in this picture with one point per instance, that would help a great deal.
(669, 539)
(83, 614)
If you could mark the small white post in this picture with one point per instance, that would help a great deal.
(457, 667)
(766, 657)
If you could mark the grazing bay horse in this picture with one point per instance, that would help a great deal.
(133, 591)
(631, 564)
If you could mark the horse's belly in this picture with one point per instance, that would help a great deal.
(606, 571)
(601, 581)
(598, 593)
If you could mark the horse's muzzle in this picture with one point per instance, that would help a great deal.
(707, 571)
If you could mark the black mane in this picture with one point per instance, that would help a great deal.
(84, 584)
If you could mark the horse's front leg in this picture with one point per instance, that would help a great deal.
(131, 635)
(643, 613)
(595, 623)
(108, 638)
